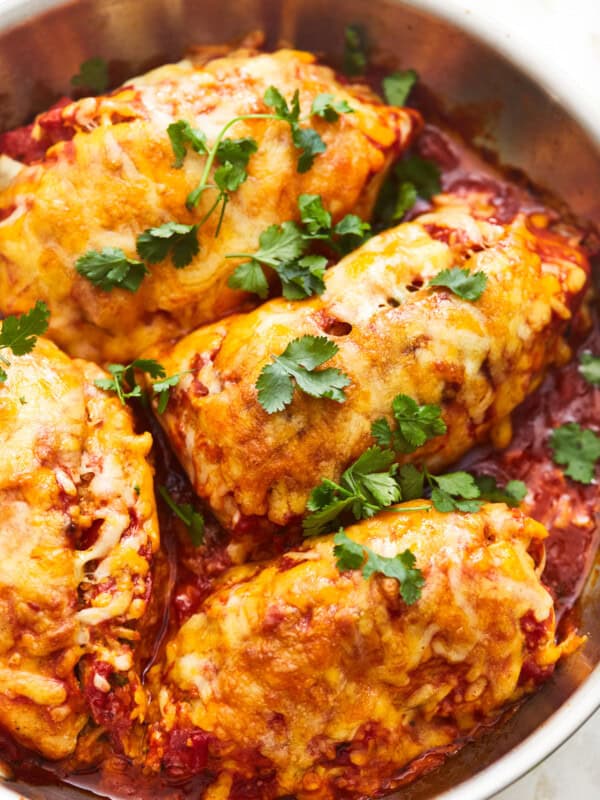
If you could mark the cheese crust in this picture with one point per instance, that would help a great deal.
(115, 178)
(477, 360)
(298, 679)
(78, 528)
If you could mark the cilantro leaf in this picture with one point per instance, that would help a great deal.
(415, 425)
(455, 491)
(249, 277)
(578, 448)
(279, 243)
(19, 332)
(512, 494)
(93, 75)
(3, 375)
(366, 487)
(162, 389)
(125, 386)
(351, 555)
(192, 519)
(183, 135)
(110, 268)
(325, 105)
(350, 232)
(422, 173)
(297, 363)
(355, 50)
(411, 481)
(315, 218)
(236, 151)
(467, 285)
(302, 278)
(310, 143)
(393, 201)
(398, 85)
(275, 100)
(589, 366)
(154, 244)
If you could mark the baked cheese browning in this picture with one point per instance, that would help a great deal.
(395, 334)
(76, 543)
(298, 679)
(115, 178)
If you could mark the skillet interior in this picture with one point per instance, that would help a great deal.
(513, 115)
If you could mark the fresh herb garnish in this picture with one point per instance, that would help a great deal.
(182, 136)
(20, 332)
(512, 494)
(356, 50)
(181, 241)
(578, 448)
(192, 519)
(110, 268)
(589, 366)
(93, 75)
(125, 386)
(415, 425)
(351, 555)
(325, 105)
(284, 248)
(398, 85)
(413, 177)
(307, 140)
(298, 364)
(463, 283)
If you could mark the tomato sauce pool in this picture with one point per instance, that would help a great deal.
(184, 575)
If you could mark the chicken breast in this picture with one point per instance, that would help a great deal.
(298, 679)
(396, 334)
(78, 529)
(115, 178)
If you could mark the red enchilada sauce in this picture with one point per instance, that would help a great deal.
(184, 575)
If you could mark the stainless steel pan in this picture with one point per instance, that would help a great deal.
(42, 43)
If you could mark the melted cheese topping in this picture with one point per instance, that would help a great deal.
(116, 179)
(70, 462)
(291, 660)
(478, 361)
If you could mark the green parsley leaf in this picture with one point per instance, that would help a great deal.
(93, 75)
(398, 85)
(422, 173)
(456, 491)
(310, 143)
(351, 555)
(315, 218)
(366, 487)
(110, 268)
(325, 105)
(181, 241)
(415, 425)
(19, 332)
(411, 481)
(298, 363)
(162, 390)
(512, 494)
(350, 232)
(303, 278)
(192, 519)
(249, 277)
(279, 243)
(467, 285)
(125, 386)
(236, 151)
(275, 100)
(578, 448)
(589, 366)
(355, 50)
(183, 135)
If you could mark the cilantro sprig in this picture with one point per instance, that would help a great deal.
(576, 448)
(350, 555)
(356, 50)
(20, 332)
(297, 366)
(174, 238)
(285, 249)
(92, 75)
(415, 425)
(463, 283)
(111, 268)
(411, 178)
(398, 86)
(123, 382)
(589, 366)
(192, 519)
